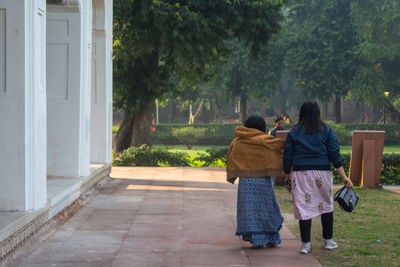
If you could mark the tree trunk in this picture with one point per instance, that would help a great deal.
(325, 108)
(124, 134)
(243, 106)
(219, 114)
(190, 112)
(141, 131)
(192, 116)
(338, 105)
(392, 113)
(283, 105)
(214, 110)
(135, 130)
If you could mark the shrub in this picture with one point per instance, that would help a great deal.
(148, 156)
(214, 156)
(346, 165)
(188, 135)
(390, 172)
(342, 133)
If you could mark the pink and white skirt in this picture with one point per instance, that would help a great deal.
(312, 193)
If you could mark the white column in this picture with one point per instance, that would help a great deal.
(85, 110)
(101, 117)
(68, 89)
(22, 105)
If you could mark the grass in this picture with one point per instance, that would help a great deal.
(386, 149)
(369, 236)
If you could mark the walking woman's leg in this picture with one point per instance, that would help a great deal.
(327, 230)
(305, 230)
(327, 225)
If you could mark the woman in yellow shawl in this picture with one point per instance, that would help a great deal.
(255, 157)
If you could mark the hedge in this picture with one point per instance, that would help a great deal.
(149, 156)
(392, 135)
(215, 134)
(222, 134)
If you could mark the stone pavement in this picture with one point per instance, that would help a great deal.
(160, 217)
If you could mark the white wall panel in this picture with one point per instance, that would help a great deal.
(57, 70)
(63, 91)
(3, 50)
(58, 27)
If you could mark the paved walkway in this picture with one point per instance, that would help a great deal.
(394, 188)
(160, 217)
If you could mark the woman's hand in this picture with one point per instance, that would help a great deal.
(288, 185)
(347, 182)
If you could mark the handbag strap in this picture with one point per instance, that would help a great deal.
(338, 192)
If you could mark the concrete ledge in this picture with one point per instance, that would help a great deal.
(15, 227)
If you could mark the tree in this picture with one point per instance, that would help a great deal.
(159, 38)
(377, 24)
(216, 93)
(245, 77)
(191, 98)
(320, 54)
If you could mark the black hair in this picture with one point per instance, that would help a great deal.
(310, 117)
(280, 118)
(256, 122)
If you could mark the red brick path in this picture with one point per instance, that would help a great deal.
(161, 217)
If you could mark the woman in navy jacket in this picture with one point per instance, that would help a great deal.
(311, 146)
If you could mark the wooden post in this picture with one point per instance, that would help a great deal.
(366, 158)
(368, 173)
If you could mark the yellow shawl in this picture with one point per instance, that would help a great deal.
(254, 154)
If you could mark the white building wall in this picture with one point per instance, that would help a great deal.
(45, 104)
(68, 87)
(22, 105)
(101, 118)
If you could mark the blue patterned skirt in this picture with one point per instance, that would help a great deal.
(259, 218)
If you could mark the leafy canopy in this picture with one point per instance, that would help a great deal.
(157, 39)
(377, 24)
(321, 41)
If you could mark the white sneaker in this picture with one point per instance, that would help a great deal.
(306, 248)
(330, 244)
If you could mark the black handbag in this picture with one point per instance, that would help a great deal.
(346, 198)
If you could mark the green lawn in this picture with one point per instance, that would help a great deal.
(202, 149)
(369, 236)
(386, 149)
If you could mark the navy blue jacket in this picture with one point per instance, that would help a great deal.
(311, 151)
